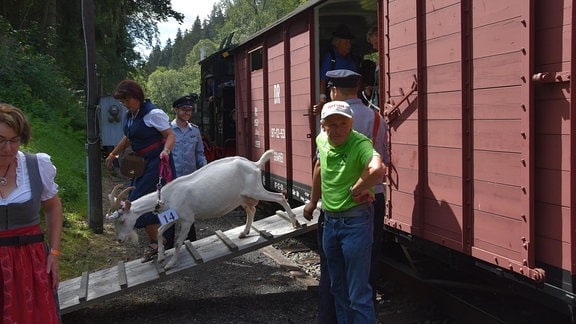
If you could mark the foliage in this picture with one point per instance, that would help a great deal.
(121, 25)
(33, 81)
(66, 147)
(241, 17)
(246, 17)
(164, 86)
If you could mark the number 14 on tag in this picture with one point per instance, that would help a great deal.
(167, 216)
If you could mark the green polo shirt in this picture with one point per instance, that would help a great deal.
(341, 167)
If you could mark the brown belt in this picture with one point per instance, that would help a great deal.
(21, 240)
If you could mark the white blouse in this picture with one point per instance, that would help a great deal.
(23, 192)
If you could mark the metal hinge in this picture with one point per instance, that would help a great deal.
(551, 77)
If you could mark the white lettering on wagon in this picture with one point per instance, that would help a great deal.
(276, 94)
(279, 157)
(278, 132)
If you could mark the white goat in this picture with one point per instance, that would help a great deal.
(213, 191)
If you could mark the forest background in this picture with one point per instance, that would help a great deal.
(43, 72)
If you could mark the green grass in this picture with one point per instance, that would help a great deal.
(67, 150)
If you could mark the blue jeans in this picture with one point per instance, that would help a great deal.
(326, 308)
(347, 243)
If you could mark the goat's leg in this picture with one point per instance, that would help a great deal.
(277, 198)
(289, 211)
(160, 236)
(250, 212)
(180, 237)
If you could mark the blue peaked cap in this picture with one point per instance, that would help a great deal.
(343, 78)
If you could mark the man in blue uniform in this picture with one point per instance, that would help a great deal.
(188, 150)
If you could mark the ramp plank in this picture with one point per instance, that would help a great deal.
(132, 275)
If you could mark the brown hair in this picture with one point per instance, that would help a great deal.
(129, 89)
(15, 119)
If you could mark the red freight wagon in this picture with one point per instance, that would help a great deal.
(477, 95)
(483, 153)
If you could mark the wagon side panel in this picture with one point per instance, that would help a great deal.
(463, 144)
(277, 102)
(555, 144)
(300, 109)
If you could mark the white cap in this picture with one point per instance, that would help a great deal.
(336, 108)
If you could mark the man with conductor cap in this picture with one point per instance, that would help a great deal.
(188, 150)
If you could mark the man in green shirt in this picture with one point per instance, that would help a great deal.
(344, 177)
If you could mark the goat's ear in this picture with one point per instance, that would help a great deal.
(127, 205)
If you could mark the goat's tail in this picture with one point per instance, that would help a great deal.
(265, 157)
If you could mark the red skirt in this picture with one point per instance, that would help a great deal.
(27, 295)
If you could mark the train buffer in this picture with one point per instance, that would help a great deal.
(91, 288)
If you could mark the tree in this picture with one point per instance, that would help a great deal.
(55, 29)
(164, 86)
(246, 17)
(178, 52)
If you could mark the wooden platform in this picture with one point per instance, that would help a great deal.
(91, 288)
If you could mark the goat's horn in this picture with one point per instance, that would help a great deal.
(124, 193)
(115, 191)
(114, 203)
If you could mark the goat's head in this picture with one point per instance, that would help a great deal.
(120, 214)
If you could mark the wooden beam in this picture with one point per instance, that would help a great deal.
(122, 278)
(83, 291)
(231, 245)
(193, 252)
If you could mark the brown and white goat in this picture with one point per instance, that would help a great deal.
(212, 191)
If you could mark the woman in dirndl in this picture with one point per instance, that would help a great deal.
(28, 258)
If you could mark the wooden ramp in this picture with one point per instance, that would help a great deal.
(98, 286)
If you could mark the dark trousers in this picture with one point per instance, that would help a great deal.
(170, 236)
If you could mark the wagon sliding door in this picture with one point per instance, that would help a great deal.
(273, 87)
(288, 82)
(461, 144)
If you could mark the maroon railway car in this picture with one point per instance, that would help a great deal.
(477, 95)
